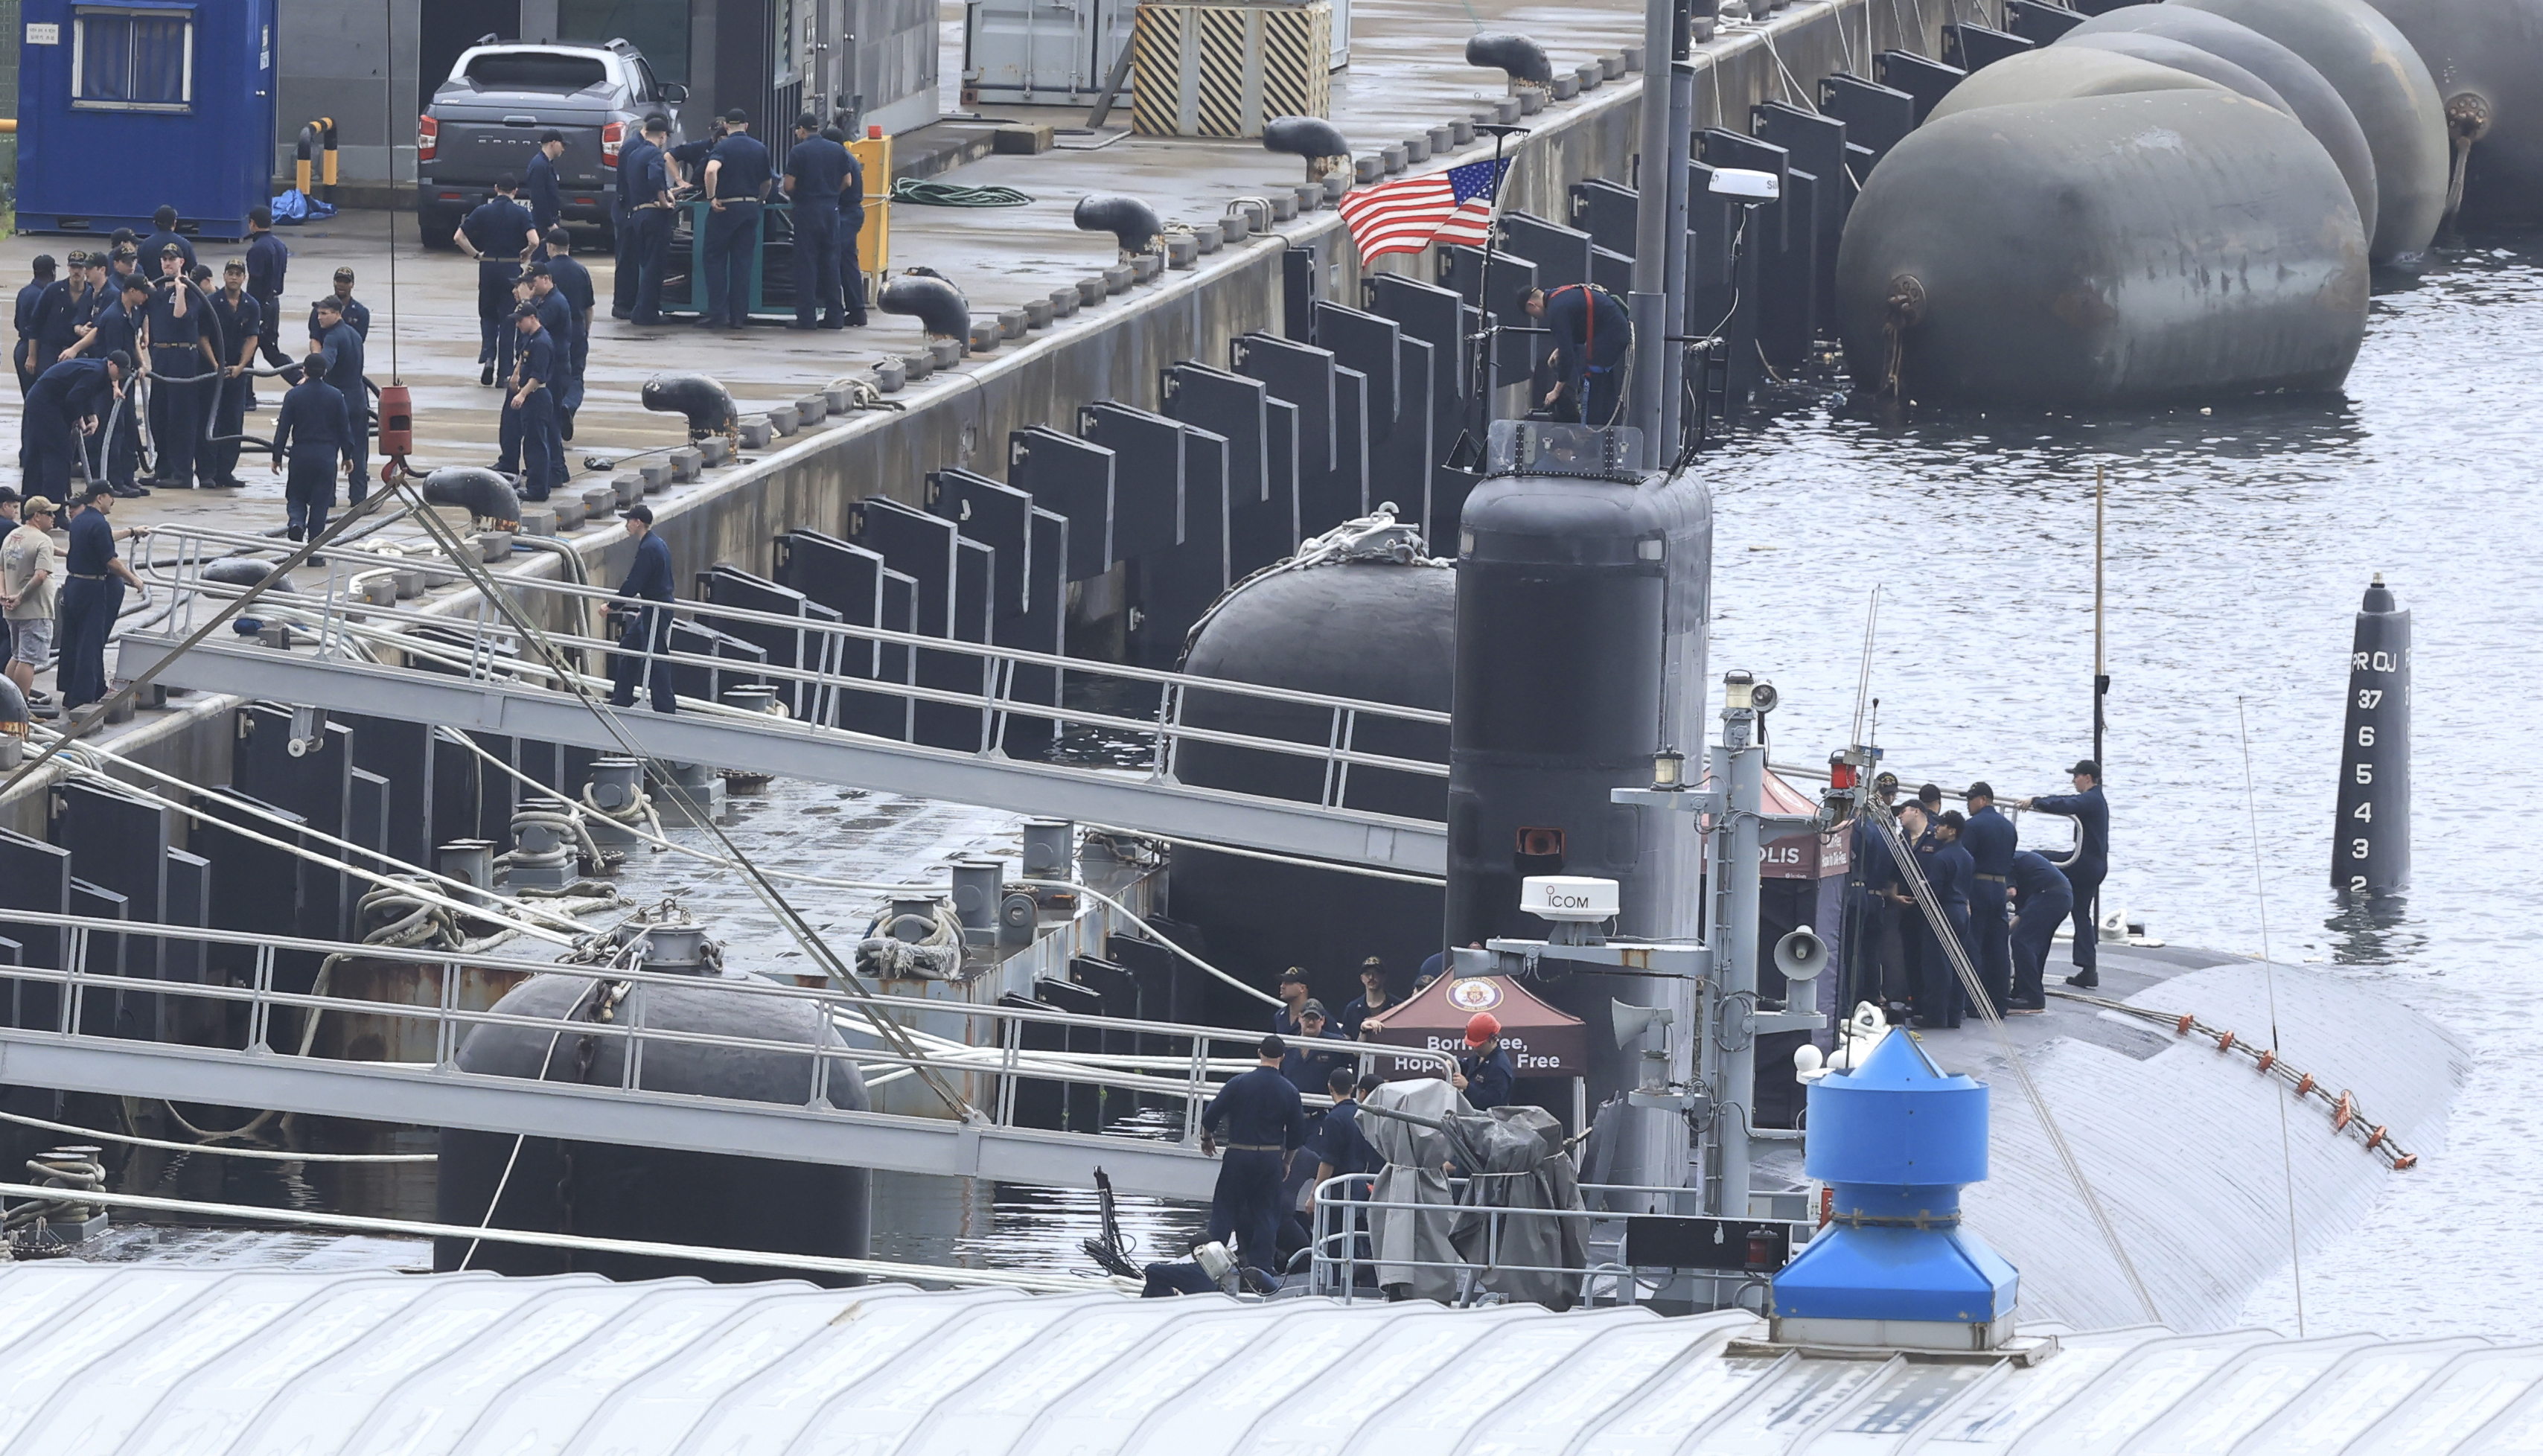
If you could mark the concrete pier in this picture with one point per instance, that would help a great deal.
(1407, 76)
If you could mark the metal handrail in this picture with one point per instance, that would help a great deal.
(450, 1021)
(1342, 1203)
(340, 624)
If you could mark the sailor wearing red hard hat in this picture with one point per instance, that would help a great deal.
(1484, 1072)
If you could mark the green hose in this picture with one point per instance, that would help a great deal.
(923, 192)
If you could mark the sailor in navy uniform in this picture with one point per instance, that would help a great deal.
(2091, 861)
(1990, 839)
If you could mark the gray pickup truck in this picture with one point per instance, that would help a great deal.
(486, 120)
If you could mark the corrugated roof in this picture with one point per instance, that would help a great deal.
(213, 1362)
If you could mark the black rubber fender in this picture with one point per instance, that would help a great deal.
(1515, 54)
(707, 404)
(938, 305)
(244, 570)
(2105, 251)
(2316, 102)
(485, 495)
(2181, 55)
(1130, 220)
(1304, 136)
(2486, 59)
(2388, 89)
(2060, 73)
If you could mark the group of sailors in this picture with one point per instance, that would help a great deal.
(2001, 903)
(1276, 1151)
(144, 308)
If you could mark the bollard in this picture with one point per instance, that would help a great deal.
(1235, 226)
(976, 883)
(1145, 267)
(409, 580)
(890, 375)
(685, 463)
(656, 473)
(1309, 195)
(1037, 313)
(1284, 206)
(1337, 186)
(1392, 157)
(538, 520)
(714, 449)
(1116, 279)
(836, 400)
(630, 489)
(1462, 130)
(1566, 87)
(1443, 139)
(984, 335)
(1530, 101)
(1064, 301)
(947, 352)
(2370, 837)
(1208, 236)
(470, 861)
(569, 511)
(1368, 169)
(1417, 148)
(1612, 65)
(1593, 75)
(918, 365)
(1050, 849)
(1182, 251)
(754, 431)
(1012, 323)
(782, 420)
(599, 502)
(812, 410)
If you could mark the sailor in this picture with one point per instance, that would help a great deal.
(1865, 911)
(689, 156)
(1307, 1069)
(94, 578)
(736, 178)
(555, 321)
(2041, 900)
(1293, 994)
(648, 632)
(56, 315)
(1948, 870)
(573, 282)
(1929, 798)
(29, 299)
(633, 161)
(815, 171)
(179, 355)
(1990, 839)
(2091, 860)
(339, 351)
(1593, 333)
(313, 431)
(164, 236)
(508, 362)
(1371, 1000)
(500, 236)
(1484, 1072)
(539, 179)
(537, 406)
(1343, 1150)
(648, 180)
(1265, 1121)
(348, 305)
(242, 323)
(117, 329)
(267, 260)
(70, 401)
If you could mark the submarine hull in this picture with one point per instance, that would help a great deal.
(2491, 52)
(2105, 250)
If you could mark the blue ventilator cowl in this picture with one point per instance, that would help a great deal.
(1894, 1140)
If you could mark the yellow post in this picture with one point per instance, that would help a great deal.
(874, 243)
(327, 136)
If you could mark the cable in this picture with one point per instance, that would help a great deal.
(1258, 854)
(192, 1147)
(925, 192)
(546, 1059)
(2270, 980)
(1127, 913)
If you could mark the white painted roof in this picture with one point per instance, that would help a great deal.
(195, 1361)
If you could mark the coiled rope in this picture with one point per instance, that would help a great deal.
(922, 192)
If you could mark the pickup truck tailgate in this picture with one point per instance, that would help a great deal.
(479, 149)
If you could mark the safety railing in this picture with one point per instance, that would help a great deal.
(614, 1009)
(1352, 1242)
(850, 669)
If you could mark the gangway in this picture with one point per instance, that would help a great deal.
(459, 663)
(984, 1143)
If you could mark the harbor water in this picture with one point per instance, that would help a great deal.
(2239, 541)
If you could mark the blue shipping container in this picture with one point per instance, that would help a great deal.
(125, 107)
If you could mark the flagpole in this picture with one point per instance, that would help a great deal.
(1479, 411)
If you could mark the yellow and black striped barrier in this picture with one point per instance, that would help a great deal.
(1224, 70)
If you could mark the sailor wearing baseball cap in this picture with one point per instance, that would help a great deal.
(2090, 862)
(1484, 1072)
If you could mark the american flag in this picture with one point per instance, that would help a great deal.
(1407, 216)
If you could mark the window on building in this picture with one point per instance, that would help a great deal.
(132, 61)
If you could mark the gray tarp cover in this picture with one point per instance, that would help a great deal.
(1523, 1166)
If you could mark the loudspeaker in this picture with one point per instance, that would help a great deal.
(1633, 1020)
(1801, 955)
